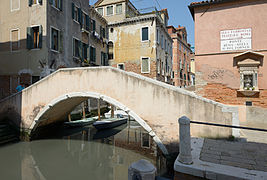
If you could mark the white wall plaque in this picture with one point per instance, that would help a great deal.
(237, 39)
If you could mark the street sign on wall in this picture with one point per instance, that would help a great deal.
(237, 39)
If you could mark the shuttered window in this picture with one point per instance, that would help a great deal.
(144, 33)
(145, 67)
(100, 11)
(34, 37)
(56, 4)
(55, 39)
(14, 40)
(75, 12)
(92, 54)
(109, 10)
(118, 8)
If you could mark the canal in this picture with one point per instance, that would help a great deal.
(81, 153)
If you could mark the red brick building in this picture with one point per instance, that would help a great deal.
(181, 56)
(230, 50)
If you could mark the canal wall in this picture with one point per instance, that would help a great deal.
(155, 105)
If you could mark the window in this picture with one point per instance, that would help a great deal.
(100, 11)
(121, 66)
(110, 50)
(158, 66)
(76, 48)
(157, 36)
(118, 8)
(85, 22)
(145, 140)
(34, 37)
(31, 2)
(93, 24)
(144, 33)
(145, 67)
(109, 10)
(84, 52)
(56, 3)
(14, 40)
(162, 41)
(76, 13)
(102, 32)
(92, 54)
(54, 39)
(104, 59)
(15, 5)
(180, 46)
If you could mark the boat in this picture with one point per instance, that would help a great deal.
(109, 123)
(82, 122)
(109, 132)
(117, 113)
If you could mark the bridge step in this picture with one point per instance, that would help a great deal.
(7, 133)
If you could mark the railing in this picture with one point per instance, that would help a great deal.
(185, 155)
(230, 126)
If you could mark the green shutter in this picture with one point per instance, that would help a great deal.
(30, 2)
(87, 22)
(40, 2)
(90, 24)
(40, 36)
(79, 15)
(91, 53)
(101, 62)
(80, 50)
(101, 31)
(60, 5)
(93, 25)
(29, 38)
(60, 40)
(50, 1)
(83, 56)
(104, 33)
(73, 6)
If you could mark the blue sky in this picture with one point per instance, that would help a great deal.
(178, 12)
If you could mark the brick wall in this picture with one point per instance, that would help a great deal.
(136, 67)
(223, 94)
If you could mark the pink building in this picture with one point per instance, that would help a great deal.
(181, 56)
(230, 50)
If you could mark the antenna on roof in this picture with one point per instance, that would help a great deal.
(158, 4)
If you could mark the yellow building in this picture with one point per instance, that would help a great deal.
(138, 41)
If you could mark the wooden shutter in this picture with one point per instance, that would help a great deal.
(60, 5)
(60, 41)
(87, 22)
(50, 1)
(104, 32)
(79, 15)
(40, 36)
(30, 2)
(94, 54)
(93, 25)
(40, 2)
(73, 6)
(101, 31)
(29, 38)
(91, 53)
(80, 50)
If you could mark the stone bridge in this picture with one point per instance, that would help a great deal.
(155, 105)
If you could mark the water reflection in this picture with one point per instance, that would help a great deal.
(82, 153)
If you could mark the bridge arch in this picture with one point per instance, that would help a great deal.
(56, 104)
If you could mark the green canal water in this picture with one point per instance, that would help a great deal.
(80, 153)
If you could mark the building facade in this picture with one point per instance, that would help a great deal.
(138, 42)
(181, 52)
(230, 51)
(38, 37)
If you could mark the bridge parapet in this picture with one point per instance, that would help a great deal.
(155, 105)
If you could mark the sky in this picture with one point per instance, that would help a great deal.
(179, 13)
